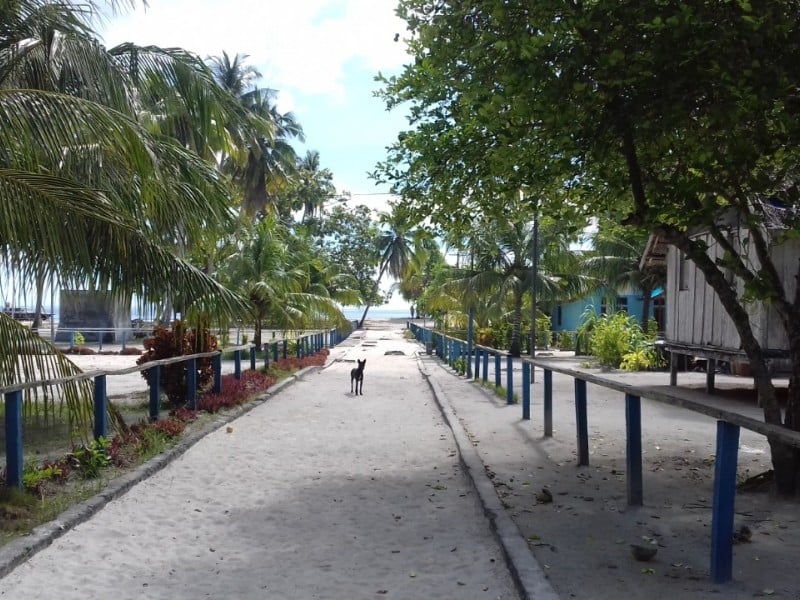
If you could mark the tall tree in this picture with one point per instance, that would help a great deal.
(396, 247)
(349, 239)
(502, 268)
(264, 161)
(88, 187)
(314, 185)
(688, 107)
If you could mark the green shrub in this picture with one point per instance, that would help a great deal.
(485, 336)
(460, 365)
(88, 459)
(544, 334)
(583, 335)
(565, 341)
(638, 360)
(617, 340)
(613, 338)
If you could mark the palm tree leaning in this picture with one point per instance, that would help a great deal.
(396, 246)
(91, 180)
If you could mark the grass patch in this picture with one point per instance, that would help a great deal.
(499, 390)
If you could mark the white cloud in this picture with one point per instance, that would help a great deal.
(303, 45)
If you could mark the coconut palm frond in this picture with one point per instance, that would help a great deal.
(27, 357)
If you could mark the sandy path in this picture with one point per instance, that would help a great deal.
(582, 537)
(314, 494)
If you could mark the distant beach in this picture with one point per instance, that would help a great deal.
(377, 313)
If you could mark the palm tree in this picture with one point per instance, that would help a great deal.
(278, 273)
(615, 262)
(396, 246)
(503, 271)
(89, 183)
(314, 185)
(265, 161)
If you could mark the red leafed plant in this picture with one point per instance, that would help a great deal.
(236, 391)
(179, 341)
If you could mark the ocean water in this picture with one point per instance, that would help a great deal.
(377, 313)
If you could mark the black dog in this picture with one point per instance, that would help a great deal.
(357, 376)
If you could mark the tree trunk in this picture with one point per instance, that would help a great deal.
(364, 316)
(375, 290)
(37, 310)
(257, 334)
(785, 459)
(646, 301)
(515, 348)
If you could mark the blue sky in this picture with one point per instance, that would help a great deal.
(321, 55)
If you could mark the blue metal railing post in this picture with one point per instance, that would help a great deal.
(191, 383)
(633, 455)
(275, 352)
(14, 462)
(265, 348)
(477, 362)
(497, 370)
(582, 423)
(237, 363)
(100, 408)
(548, 403)
(285, 347)
(509, 379)
(252, 358)
(217, 366)
(155, 392)
(470, 341)
(485, 366)
(526, 391)
(724, 497)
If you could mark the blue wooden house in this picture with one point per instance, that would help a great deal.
(569, 316)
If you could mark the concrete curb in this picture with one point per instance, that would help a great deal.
(528, 575)
(17, 552)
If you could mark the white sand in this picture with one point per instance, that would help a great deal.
(314, 494)
(319, 494)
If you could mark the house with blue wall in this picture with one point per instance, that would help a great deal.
(569, 316)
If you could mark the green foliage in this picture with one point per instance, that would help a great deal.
(485, 336)
(612, 338)
(565, 340)
(352, 241)
(460, 365)
(617, 340)
(544, 334)
(644, 359)
(589, 319)
(34, 477)
(78, 339)
(89, 459)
